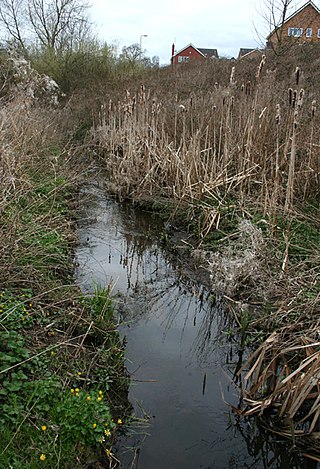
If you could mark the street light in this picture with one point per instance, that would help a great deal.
(142, 35)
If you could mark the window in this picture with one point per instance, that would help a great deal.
(295, 32)
(309, 32)
(183, 58)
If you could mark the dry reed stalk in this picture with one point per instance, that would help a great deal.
(275, 380)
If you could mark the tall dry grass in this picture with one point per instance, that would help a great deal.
(252, 141)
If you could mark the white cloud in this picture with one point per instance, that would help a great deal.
(223, 24)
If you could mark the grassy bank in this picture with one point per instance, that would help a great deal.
(233, 148)
(62, 384)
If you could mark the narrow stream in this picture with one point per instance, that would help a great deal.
(176, 348)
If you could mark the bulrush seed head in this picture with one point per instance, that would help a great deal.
(300, 99)
(278, 114)
(294, 98)
(290, 96)
(261, 64)
(297, 74)
(232, 81)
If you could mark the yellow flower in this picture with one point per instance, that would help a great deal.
(119, 421)
(42, 457)
(72, 391)
(43, 428)
(30, 304)
(79, 373)
(100, 393)
(108, 452)
(101, 440)
(107, 432)
(77, 389)
(99, 399)
(77, 394)
(53, 353)
(94, 425)
(88, 398)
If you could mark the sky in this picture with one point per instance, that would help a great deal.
(225, 25)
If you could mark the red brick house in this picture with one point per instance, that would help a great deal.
(190, 53)
(301, 27)
(245, 53)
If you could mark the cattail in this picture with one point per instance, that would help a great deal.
(290, 96)
(300, 99)
(278, 114)
(261, 64)
(232, 82)
(294, 98)
(297, 74)
(313, 107)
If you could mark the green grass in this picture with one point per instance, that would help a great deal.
(63, 387)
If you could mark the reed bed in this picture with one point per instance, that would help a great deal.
(242, 137)
(243, 140)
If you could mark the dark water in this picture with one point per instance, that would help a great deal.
(177, 351)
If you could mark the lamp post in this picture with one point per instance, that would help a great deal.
(142, 35)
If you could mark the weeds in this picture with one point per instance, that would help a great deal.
(63, 388)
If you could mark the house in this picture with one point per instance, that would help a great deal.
(249, 53)
(190, 53)
(301, 27)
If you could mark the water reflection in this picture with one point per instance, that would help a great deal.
(180, 361)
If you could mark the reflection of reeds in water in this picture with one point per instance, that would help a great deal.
(164, 292)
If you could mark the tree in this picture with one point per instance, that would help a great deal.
(131, 54)
(274, 14)
(53, 24)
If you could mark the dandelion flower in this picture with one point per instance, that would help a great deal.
(99, 399)
(88, 398)
(43, 457)
(77, 394)
(77, 389)
(94, 425)
(43, 428)
(72, 391)
(100, 393)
